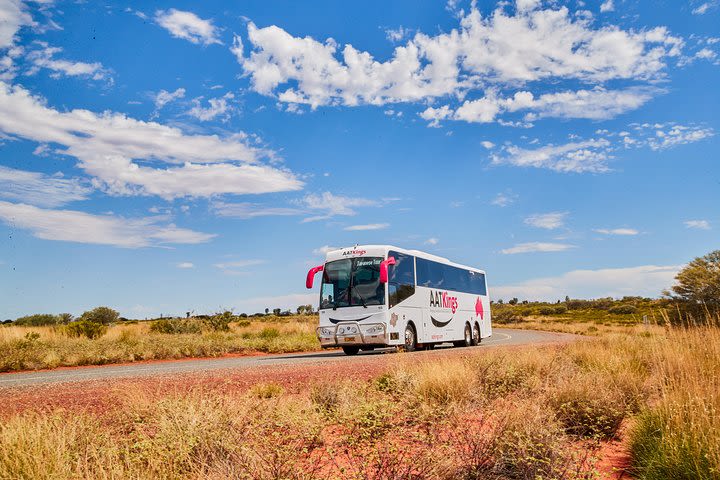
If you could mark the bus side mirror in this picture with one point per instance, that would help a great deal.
(383, 269)
(311, 275)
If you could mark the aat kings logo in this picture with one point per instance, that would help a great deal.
(354, 252)
(443, 300)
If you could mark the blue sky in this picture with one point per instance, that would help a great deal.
(198, 156)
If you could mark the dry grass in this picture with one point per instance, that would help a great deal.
(28, 348)
(520, 414)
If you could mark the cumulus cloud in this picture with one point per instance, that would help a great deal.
(679, 135)
(531, 247)
(13, 16)
(44, 57)
(617, 231)
(81, 227)
(164, 97)
(39, 189)
(646, 280)
(218, 107)
(107, 144)
(578, 157)
(548, 221)
(607, 6)
(595, 104)
(188, 26)
(500, 49)
(368, 226)
(698, 224)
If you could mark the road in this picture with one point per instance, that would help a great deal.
(501, 337)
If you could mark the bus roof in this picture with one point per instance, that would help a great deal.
(381, 250)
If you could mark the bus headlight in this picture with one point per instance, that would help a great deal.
(376, 329)
(326, 331)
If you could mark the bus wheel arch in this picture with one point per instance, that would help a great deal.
(410, 337)
(467, 337)
(476, 338)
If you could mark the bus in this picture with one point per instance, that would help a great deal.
(374, 296)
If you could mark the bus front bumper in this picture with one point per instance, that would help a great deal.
(352, 333)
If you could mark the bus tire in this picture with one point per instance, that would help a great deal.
(351, 350)
(467, 337)
(476, 335)
(410, 338)
(368, 348)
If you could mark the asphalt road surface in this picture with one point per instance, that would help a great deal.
(501, 337)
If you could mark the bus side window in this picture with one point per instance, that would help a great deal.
(401, 278)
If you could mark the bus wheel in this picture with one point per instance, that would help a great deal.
(410, 339)
(467, 337)
(367, 349)
(476, 335)
(351, 350)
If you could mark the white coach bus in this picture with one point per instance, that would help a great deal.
(379, 295)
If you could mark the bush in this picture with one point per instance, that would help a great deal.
(220, 322)
(86, 328)
(37, 320)
(269, 333)
(506, 316)
(175, 326)
(623, 310)
(546, 310)
(560, 309)
(102, 315)
(266, 390)
(243, 323)
(699, 281)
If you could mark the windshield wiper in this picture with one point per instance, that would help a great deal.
(358, 294)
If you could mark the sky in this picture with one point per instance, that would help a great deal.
(201, 156)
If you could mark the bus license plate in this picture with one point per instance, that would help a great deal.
(349, 339)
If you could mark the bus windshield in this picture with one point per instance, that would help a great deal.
(352, 282)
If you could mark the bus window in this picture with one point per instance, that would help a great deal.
(401, 278)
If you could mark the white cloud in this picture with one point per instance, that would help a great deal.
(188, 26)
(703, 8)
(235, 267)
(679, 135)
(219, 107)
(432, 241)
(607, 6)
(39, 189)
(81, 227)
(500, 49)
(617, 231)
(504, 199)
(43, 57)
(578, 157)
(13, 16)
(536, 247)
(106, 145)
(698, 224)
(324, 250)
(164, 97)
(369, 226)
(595, 104)
(646, 280)
(333, 205)
(549, 221)
(246, 210)
(396, 35)
(185, 265)
(487, 144)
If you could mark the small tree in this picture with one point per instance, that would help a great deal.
(65, 318)
(102, 315)
(699, 281)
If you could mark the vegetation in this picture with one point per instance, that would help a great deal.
(488, 414)
(85, 342)
(101, 315)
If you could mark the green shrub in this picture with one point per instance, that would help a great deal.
(243, 323)
(37, 320)
(176, 326)
(102, 315)
(325, 397)
(220, 322)
(546, 310)
(505, 316)
(560, 309)
(86, 328)
(623, 310)
(589, 409)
